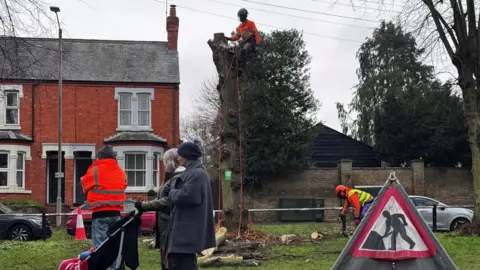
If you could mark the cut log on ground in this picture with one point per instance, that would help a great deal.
(220, 237)
(226, 261)
(149, 243)
(316, 236)
(287, 238)
(216, 261)
(250, 255)
(232, 247)
(207, 261)
(291, 239)
(208, 252)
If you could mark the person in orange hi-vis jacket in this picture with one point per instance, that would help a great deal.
(248, 35)
(104, 184)
(361, 201)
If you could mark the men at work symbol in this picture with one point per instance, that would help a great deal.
(398, 223)
(394, 225)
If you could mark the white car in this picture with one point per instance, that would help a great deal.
(448, 219)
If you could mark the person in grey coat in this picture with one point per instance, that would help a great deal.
(191, 222)
(162, 205)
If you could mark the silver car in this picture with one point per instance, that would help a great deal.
(448, 219)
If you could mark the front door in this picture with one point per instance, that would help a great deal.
(82, 162)
(52, 167)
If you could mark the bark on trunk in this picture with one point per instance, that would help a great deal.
(469, 91)
(225, 62)
(473, 137)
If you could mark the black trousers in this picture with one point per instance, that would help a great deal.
(184, 261)
(247, 47)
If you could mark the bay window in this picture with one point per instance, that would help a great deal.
(141, 164)
(136, 169)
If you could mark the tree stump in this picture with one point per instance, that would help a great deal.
(225, 60)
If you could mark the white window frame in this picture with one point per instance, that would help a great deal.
(20, 170)
(156, 159)
(149, 110)
(7, 153)
(135, 92)
(4, 89)
(149, 150)
(13, 151)
(120, 110)
(17, 95)
(137, 170)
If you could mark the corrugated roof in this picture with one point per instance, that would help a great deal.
(89, 60)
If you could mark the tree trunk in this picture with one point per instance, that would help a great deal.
(469, 91)
(225, 62)
(473, 138)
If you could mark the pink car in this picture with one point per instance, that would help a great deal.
(147, 227)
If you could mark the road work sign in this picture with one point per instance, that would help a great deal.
(393, 235)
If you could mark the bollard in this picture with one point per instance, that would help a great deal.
(434, 218)
(44, 224)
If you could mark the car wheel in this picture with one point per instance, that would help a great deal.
(20, 233)
(458, 223)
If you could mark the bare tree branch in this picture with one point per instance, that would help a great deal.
(202, 122)
(20, 19)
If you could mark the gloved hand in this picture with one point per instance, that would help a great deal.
(166, 190)
(228, 38)
(84, 255)
(357, 220)
(340, 216)
(139, 207)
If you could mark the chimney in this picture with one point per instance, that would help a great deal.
(172, 28)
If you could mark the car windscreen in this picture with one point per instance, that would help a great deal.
(5, 210)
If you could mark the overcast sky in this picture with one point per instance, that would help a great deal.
(333, 60)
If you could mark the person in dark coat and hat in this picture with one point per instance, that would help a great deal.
(191, 222)
(173, 172)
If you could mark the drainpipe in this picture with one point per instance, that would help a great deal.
(33, 109)
(173, 115)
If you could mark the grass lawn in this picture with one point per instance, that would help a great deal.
(42, 255)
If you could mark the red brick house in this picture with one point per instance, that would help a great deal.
(120, 93)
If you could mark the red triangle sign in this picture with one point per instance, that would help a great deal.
(392, 231)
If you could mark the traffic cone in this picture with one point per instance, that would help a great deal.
(80, 230)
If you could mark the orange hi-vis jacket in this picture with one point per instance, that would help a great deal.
(104, 184)
(246, 30)
(356, 197)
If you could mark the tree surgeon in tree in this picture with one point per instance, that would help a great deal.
(398, 223)
(247, 34)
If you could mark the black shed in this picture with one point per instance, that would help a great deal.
(330, 146)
